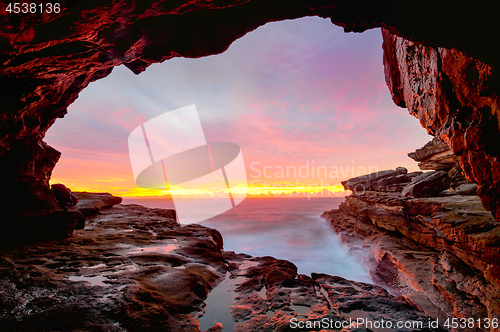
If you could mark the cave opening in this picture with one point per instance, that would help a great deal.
(306, 102)
(450, 93)
(291, 93)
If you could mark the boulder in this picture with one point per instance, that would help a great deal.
(427, 185)
(402, 170)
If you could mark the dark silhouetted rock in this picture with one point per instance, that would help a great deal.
(64, 195)
(427, 185)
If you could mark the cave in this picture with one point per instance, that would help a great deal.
(440, 63)
(48, 60)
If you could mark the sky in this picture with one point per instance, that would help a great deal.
(299, 97)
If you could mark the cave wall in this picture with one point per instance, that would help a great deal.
(47, 59)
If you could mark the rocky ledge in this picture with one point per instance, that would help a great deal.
(426, 236)
(136, 269)
(90, 204)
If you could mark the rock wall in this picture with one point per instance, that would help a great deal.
(428, 240)
(47, 59)
(456, 99)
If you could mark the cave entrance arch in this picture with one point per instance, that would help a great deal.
(300, 97)
(48, 60)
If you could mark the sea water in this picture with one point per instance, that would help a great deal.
(282, 227)
(285, 228)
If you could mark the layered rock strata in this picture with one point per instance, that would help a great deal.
(440, 252)
(435, 155)
(438, 156)
(136, 269)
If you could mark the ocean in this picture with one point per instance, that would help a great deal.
(285, 228)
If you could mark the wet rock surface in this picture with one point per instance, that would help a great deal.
(293, 301)
(441, 254)
(131, 268)
(136, 269)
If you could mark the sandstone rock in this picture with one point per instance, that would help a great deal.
(439, 253)
(91, 203)
(367, 182)
(43, 72)
(457, 176)
(441, 161)
(116, 276)
(302, 298)
(427, 185)
(113, 276)
(402, 170)
(467, 189)
(395, 183)
(435, 155)
(217, 327)
(434, 147)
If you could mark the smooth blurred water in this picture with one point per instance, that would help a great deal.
(285, 228)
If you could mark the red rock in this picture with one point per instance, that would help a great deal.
(456, 99)
(440, 253)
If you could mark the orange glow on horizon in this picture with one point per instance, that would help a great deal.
(267, 190)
